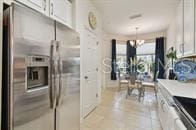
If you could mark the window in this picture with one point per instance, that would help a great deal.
(121, 56)
(146, 60)
(146, 64)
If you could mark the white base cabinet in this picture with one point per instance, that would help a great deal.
(163, 111)
(167, 113)
(174, 121)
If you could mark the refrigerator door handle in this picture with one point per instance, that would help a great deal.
(52, 91)
(59, 74)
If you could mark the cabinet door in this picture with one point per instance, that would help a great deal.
(179, 125)
(7, 2)
(179, 30)
(69, 14)
(165, 109)
(162, 109)
(189, 40)
(60, 11)
(38, 5)
(172, 117)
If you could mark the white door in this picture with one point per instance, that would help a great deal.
(189, 27)
(90, 92)
(38, 5)
(61, 10)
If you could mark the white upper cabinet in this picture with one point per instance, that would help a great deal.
(179, 30)
(8, 2)
(195, 27)
(39, 5)
(69, 14)
(61, 11)
(189, 40)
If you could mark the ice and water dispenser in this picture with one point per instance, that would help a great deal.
(37, 71)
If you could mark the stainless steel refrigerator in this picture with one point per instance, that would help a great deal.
(41, 72)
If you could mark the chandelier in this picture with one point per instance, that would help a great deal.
(136, 42)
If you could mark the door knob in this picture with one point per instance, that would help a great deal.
(86, 77)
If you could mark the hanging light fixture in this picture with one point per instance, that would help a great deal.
(137, 42)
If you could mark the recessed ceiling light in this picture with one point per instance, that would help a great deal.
(135, 16)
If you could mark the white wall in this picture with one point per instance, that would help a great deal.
(171, 37)
(83, 7)
(150, 36)
(171, 34)
(106, 55)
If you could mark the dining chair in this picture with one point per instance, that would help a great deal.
(123, 81)
(151, 84)
(134, 84)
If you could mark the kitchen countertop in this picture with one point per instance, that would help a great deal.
(176, 88)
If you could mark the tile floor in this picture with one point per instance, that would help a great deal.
(118, 113)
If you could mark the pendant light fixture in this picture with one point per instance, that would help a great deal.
(137, 42)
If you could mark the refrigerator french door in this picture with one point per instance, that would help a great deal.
(41, 72)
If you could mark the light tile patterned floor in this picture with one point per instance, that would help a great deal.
(118, 113)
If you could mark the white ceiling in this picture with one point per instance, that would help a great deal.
(156, 15)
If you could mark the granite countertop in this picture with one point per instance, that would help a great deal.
(176, 88)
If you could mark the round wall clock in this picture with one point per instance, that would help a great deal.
(92, 20)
